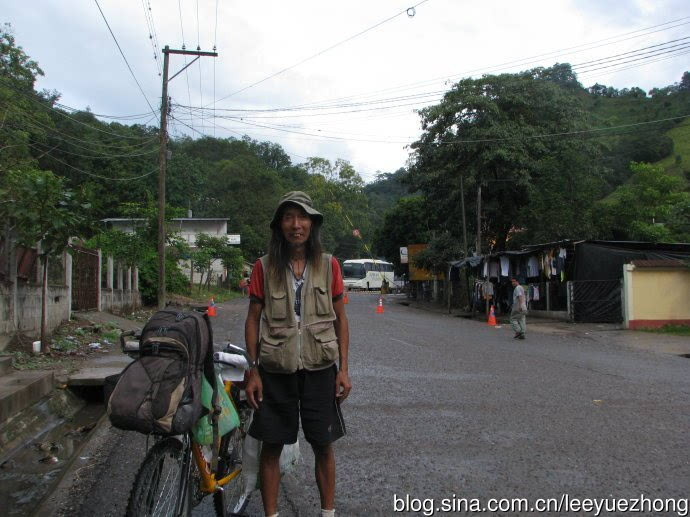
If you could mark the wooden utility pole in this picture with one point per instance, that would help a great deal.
(464, 223)
(162, 157)
(479, 219)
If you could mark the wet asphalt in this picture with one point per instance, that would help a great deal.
(444, 407)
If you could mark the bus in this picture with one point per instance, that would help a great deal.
(367, 273)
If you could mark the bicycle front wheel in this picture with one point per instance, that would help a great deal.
(161, 487)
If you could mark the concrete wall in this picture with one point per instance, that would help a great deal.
(654, 297)
(119, 300)
(125, 298)
(28, 318)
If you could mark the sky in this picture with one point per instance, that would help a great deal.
(353, 73)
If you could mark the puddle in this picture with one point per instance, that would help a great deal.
(31, 473)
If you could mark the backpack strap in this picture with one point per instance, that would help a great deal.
(210, 372)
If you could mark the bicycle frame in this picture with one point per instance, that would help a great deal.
(209, 484)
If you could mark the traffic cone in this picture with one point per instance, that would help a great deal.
(492, 317)
(379, 307)
(345, 300)
(211, 311)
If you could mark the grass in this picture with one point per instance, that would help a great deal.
(24, 361)
(112, 335)
(219, 295)
(681, 147)
(676, 330)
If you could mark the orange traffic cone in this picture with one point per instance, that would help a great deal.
(211, 311)
(379, 307)
(492, 317)
(345, 300)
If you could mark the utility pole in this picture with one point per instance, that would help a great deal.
(479, 219)
(464, 223)
(162, 156)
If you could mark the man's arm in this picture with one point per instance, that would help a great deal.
(342, 330)
(254, 389)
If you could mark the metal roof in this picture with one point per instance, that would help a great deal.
(658, 263)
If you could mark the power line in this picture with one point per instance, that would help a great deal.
(215, 42)
(40, 125)
(632, 51)
(563, 133)
(186, 72)
(279, 72)
(523, 61)
(665, 58)
(656, 53)
(153, 38)
(665, 48)
(48, 107)
(91, 173)
(123, 57)
(109, 156)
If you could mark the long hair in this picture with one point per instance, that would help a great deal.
(279, 250)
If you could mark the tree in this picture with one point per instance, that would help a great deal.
(42, 211)
(652, 207)
(21, 119)
(208, 250)
(233, 262)
(406, 223)
(490, 131)
(441, 250)
(338, 192)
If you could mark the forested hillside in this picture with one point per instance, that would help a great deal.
(553, 160)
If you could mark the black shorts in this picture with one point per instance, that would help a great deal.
(305, 395)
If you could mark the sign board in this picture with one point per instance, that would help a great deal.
(418, 274)
(234, 238)
(403, 255)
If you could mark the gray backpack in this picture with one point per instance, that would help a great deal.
(160, 393)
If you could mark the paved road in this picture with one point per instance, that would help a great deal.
(445, 407)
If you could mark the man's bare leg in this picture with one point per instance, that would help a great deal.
(324, 470)
(269, 471)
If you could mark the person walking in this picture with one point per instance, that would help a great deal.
(296, 330)
(518, 313)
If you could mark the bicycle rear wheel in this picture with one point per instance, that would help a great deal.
(161, 487)
(234, 497)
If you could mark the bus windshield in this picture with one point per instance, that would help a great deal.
(354, 271)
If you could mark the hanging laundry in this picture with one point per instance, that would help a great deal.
(494, 269)
(505, 266)
(562, 253)
(532, 267)
(535, 295)
(486, 268)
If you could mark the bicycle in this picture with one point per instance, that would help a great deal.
(177, 473)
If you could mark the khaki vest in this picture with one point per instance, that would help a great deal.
(285, 348)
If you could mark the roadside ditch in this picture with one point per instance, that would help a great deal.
(40, 443)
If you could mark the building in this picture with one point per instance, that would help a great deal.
(188, 228)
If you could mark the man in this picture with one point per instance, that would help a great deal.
(518, 313)
(296, 329)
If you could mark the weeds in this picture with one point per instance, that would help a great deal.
(677, 330)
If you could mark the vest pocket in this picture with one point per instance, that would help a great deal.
(278, 306)
(271, 353)
(327, 341)
(321, 301)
